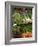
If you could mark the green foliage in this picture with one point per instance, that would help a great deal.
(21, 26)
(18, 18)
(30, 15)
